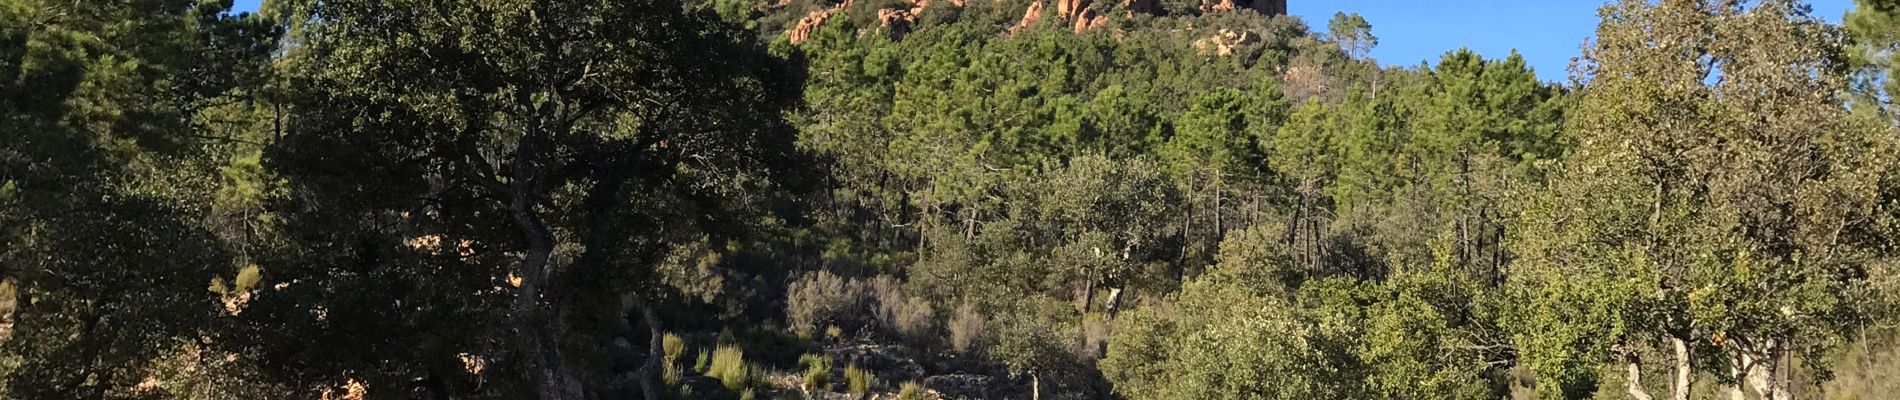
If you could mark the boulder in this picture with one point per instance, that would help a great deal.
(1224, 42)
(888, 363)
(1030, 18)
(810, 23)
(898, 21)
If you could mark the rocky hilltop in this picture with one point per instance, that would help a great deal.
(1078, 15)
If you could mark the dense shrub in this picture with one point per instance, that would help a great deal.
(817, 372)
(818, 300)
(912, 318)
(730, 368)
(966, 328)
(859, 380)
(673, 348)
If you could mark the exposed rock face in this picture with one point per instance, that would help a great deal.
(1069, 9)
(1268, 7)
(802, 32)
(898, 21)
(1224, 42)
(1074, 12)
(1030, 18)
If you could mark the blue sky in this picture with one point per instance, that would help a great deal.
(1547, 32)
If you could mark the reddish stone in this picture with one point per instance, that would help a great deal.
(807, 25)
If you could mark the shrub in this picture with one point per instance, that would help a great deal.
(859, 380)
(817, 371)
(821, 299)
(909, 317)
(673, 347)
(911, 391)
(966, 327)
(730, 368)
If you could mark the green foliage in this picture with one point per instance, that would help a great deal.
(858, 380)
(911, 391)
(479, 199)
(731, 369)
(817, 375)
(703, 363)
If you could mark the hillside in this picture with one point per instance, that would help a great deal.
(938, 199)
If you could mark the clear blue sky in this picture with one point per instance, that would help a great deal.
(1547, 32)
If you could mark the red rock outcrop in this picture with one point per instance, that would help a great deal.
(1224, 42)
(898, 21)
(1268, 7)
(1069, 9)
(807, 25)
(1089, 19)
(1222, 6)
(1030, 18)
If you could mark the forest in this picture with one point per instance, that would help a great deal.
(939, 199)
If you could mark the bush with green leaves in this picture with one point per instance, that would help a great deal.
(731, 369)
(858, 380)
(820, 299)
(911, 391)
(673, 348)
(817, 372)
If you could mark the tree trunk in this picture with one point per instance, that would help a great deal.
(969, 226)
(655, 347)
(1220, 226)
(1683, 368)
(534, 331)
(1633, 365)
(1761, 371)
(1035, 387)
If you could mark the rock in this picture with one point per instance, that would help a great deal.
(1267, 7)
(960, 386)
(886, 362)
(1089, 20)
(898, 21)
(1070, 9)
(1224, 42)
(810, 23)
(1030, 18)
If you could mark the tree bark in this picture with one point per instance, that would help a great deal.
(655, 348)
(1761, 371)
(1633, 365)
(1682, 367)
(535, 333)
(1035, 386)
